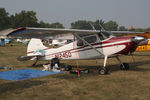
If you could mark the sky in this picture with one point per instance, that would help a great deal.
(124, 12)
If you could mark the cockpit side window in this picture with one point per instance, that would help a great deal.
(91, 39)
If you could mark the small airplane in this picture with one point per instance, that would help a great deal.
(87, 44)
(4, 41)
(3, 38)
(144, 46)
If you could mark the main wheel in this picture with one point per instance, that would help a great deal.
(55, 61)
(124, 66)
(103, 70)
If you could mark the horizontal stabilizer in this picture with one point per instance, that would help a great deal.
(25, 58)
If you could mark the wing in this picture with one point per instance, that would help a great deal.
(5, 32)
(123, 33)
(51, 33)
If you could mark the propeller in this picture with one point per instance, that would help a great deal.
(138, 40)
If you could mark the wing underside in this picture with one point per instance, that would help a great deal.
(50, 33)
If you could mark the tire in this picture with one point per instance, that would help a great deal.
(103, 70)
(124, 66)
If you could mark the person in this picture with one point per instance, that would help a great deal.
(47, 66)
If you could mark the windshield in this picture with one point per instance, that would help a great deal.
(105, 34)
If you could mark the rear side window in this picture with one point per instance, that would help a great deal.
(80, 43)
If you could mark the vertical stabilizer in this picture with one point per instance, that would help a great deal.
(35, 47)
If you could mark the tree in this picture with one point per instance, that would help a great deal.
(122, 28)
(139, 30)
(53, 25)
(111, 26)
(56, 25)
(4, 19)
(25, 19)
(148, 29)
(132, 29)
(98, 24)
(81, 24)
(43, 24)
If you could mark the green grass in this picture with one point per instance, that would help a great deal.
(117, 85)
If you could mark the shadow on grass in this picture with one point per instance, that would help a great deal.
(133, 66)
(66, 76)
(35, 66)
(140, 55)
(18, 85)
(94, 70)
(116, 67)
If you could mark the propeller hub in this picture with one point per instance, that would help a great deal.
(137, 39)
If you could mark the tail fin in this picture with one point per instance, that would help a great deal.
(35, 47)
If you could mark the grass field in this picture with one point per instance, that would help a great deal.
(117, 85)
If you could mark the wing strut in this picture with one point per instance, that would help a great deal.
(87, 43)
(77, 59)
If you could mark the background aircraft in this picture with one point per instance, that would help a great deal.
(144, 45)
(4, 41)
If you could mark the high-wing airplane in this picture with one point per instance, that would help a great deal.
(87, 44)
(4, 41)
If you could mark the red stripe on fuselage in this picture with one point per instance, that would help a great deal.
(111, 40)
(125, 43)
(34, 51)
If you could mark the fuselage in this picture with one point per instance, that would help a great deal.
(112, 46)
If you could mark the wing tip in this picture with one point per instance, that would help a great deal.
(17, 30)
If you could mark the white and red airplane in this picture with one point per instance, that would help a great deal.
(87, 44)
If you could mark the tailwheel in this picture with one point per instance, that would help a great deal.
(124, 66)
(103, 70)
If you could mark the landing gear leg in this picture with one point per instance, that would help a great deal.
(123, 66)
(34, 63)
(103, 70)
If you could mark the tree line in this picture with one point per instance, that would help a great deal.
(29, 19)
(23, 19)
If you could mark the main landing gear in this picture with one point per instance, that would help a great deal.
(104, 70)
(34, 64)
(123, 66)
